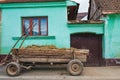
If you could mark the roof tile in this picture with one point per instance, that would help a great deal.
(108, 4)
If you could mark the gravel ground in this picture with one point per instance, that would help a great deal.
(89, 73)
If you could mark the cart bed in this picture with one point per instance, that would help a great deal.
(50, 55)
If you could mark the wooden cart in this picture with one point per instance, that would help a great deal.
(28, 57)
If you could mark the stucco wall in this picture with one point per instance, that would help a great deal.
(0, 37)
(86, 28)
(0, 31)
(58, 29)
(96, 28)
(112, 36)
(57, 24)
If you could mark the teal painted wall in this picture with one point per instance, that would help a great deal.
(0, 37)
(58, 29)
(112, 36)
(86, 28)
(57, 24)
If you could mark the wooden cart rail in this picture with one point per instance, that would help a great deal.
(29, 57)
(50, 55)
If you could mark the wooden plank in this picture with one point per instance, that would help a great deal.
(23, 56)
(44, 60)
(43, 52)
(49, 51)
(48, 55)
(49, 59)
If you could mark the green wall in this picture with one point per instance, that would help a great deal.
(59, 30)
(0, 37)
(57, 24)
(112, 36)
(97, 28)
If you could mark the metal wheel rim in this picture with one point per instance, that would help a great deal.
(75, 67)
(12, 69)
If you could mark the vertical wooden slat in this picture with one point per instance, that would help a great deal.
(31, 26)
(23, 29)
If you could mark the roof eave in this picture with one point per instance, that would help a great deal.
(104, 12)
(86, 22)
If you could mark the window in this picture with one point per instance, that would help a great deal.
(36, 26)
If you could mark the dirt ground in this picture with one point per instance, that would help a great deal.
(89, 73)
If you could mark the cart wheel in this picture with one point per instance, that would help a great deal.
(75, 67)
(13, 69)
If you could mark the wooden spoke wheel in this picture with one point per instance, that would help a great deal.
(13, 69)
(75, 67)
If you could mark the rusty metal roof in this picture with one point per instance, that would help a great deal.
(108, 6)
(17, 1)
